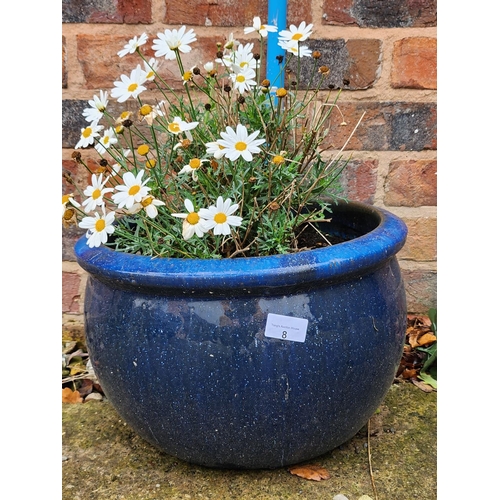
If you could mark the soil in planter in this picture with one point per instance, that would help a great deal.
(309, 238)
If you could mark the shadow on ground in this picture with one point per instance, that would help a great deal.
(104, 459)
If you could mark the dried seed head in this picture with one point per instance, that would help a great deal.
(265, 83)
(316, 54)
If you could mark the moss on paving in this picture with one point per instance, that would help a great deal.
(105, 459)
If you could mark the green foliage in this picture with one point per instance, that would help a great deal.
(274, 190)
(428, 372)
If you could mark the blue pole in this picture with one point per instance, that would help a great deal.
(276, 15)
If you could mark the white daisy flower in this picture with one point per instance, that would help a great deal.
(296, 34)
(215, 149)
(209, 66)
(150, 69)
(95, 193)
(243, 79)
(178, 125)
(219, 216)
(149, 204)
(192, 223)
(295, 48)
(129, 86)
(97, 107)
(192, 167)
(88, 135)
(173, 40)
(243, 57)
(98, 228)
(261, 29)
(132, 45)
(231, 43)
(109, 138)
(239, 143)
(133, 190)
(68, 198)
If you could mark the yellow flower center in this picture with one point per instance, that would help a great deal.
(145, 110)
(65, 198)
(297, 36)
(147, 201)
(174, 127)
(243, 64)
(194, 163)
(143, 149)
(68, 214)
(240, 78)
(220, 218)
(151, 163)
(278, 160)
(134, 190)
(105, 139)
(187, 76)
(240, 146)
(86, 133)
(125, 115)
(100, 225)
(132, 87)
(262, 27)
(281, 92)
(193, 218)
(96, 194)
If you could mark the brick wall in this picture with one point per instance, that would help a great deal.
(383, 55)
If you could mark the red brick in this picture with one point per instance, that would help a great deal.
(101, 66)
(421, 243)
(70, 292)
(376, 14)
(353, 64)
(414, 63)
(230, 12)
(421, 290)
(107, 11)
(359, 180)
(411, 183)
(214, 12)
(386, 126)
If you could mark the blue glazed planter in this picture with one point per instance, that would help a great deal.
(184, 349)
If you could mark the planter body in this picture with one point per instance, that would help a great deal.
(180, 347)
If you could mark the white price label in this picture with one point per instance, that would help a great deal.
(286, 327)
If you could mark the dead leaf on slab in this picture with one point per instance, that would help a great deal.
(422, 385)
(311, 472)
(426, 339)
(69, 396)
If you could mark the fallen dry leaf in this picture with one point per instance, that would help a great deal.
(311, 472)
(69, 396)
(426, 339)
(423, 386)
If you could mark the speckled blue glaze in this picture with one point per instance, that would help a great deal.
(179, 346)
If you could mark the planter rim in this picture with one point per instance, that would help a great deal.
(355, 256)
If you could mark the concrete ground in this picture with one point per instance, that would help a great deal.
(104, 459)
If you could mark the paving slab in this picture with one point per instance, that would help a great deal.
(105, 459)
